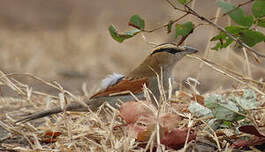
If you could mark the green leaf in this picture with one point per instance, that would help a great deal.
(121, 37)
(222, 113)
(222, 108)
(225, 111)
(211, 100)
(217, 46)
(235, 30)
(169, 26)
(239, 117)
(248, 101)
(184, 29)
(251, 37)
(132, 32)
(213, 124)
(258, 8)
(114, 34)
(182, 1)
(235, 14)
(223, 39)
(261, 22)
(227, 124)
(137, 22)
(199, 110)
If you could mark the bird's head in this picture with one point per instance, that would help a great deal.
(163, 56)
(168, 54)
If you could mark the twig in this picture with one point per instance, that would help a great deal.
(57, 86)
(206, 52)
(191, 11)
(216, 68)
(214, 136)
(172, 5)
(232, 10)
(194, 13)
(10, 84)
(190, 125)
(234, 73)
(165, 25)
(34, 77)
(247, 64)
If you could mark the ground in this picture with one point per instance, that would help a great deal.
(68, 42)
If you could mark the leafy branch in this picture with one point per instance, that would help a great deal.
(243, 33)
(240, 42)
(238, 6)
(170, 23)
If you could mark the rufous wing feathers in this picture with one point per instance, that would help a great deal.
(123, 86)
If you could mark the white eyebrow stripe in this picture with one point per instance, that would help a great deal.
(111, 79)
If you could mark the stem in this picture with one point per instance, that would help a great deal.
(191, 11)
(172, 5)
(165, 25)
(239, 5)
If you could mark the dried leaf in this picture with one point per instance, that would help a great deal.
(250, 142)
(177, 137)
(50, 136)
(169, 121)
(251, 130)
(132, 112)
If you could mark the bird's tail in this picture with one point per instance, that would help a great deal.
(93, 105)
(40, 114)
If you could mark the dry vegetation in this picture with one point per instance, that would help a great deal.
(68, 41)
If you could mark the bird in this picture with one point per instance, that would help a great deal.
(118, 87)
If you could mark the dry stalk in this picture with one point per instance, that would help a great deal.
(230, 75)
(207, 49)
(10, 84)
(247, 63)
(214, 135)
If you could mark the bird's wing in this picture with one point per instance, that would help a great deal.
(123, 86)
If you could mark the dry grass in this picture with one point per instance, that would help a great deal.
(93, 131)
(78, 49)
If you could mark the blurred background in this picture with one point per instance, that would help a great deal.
(68, 41)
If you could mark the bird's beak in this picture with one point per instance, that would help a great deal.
(190, 50)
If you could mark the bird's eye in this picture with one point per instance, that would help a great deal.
(168, 50)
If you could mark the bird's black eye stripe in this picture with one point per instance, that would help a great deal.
(169, 50)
